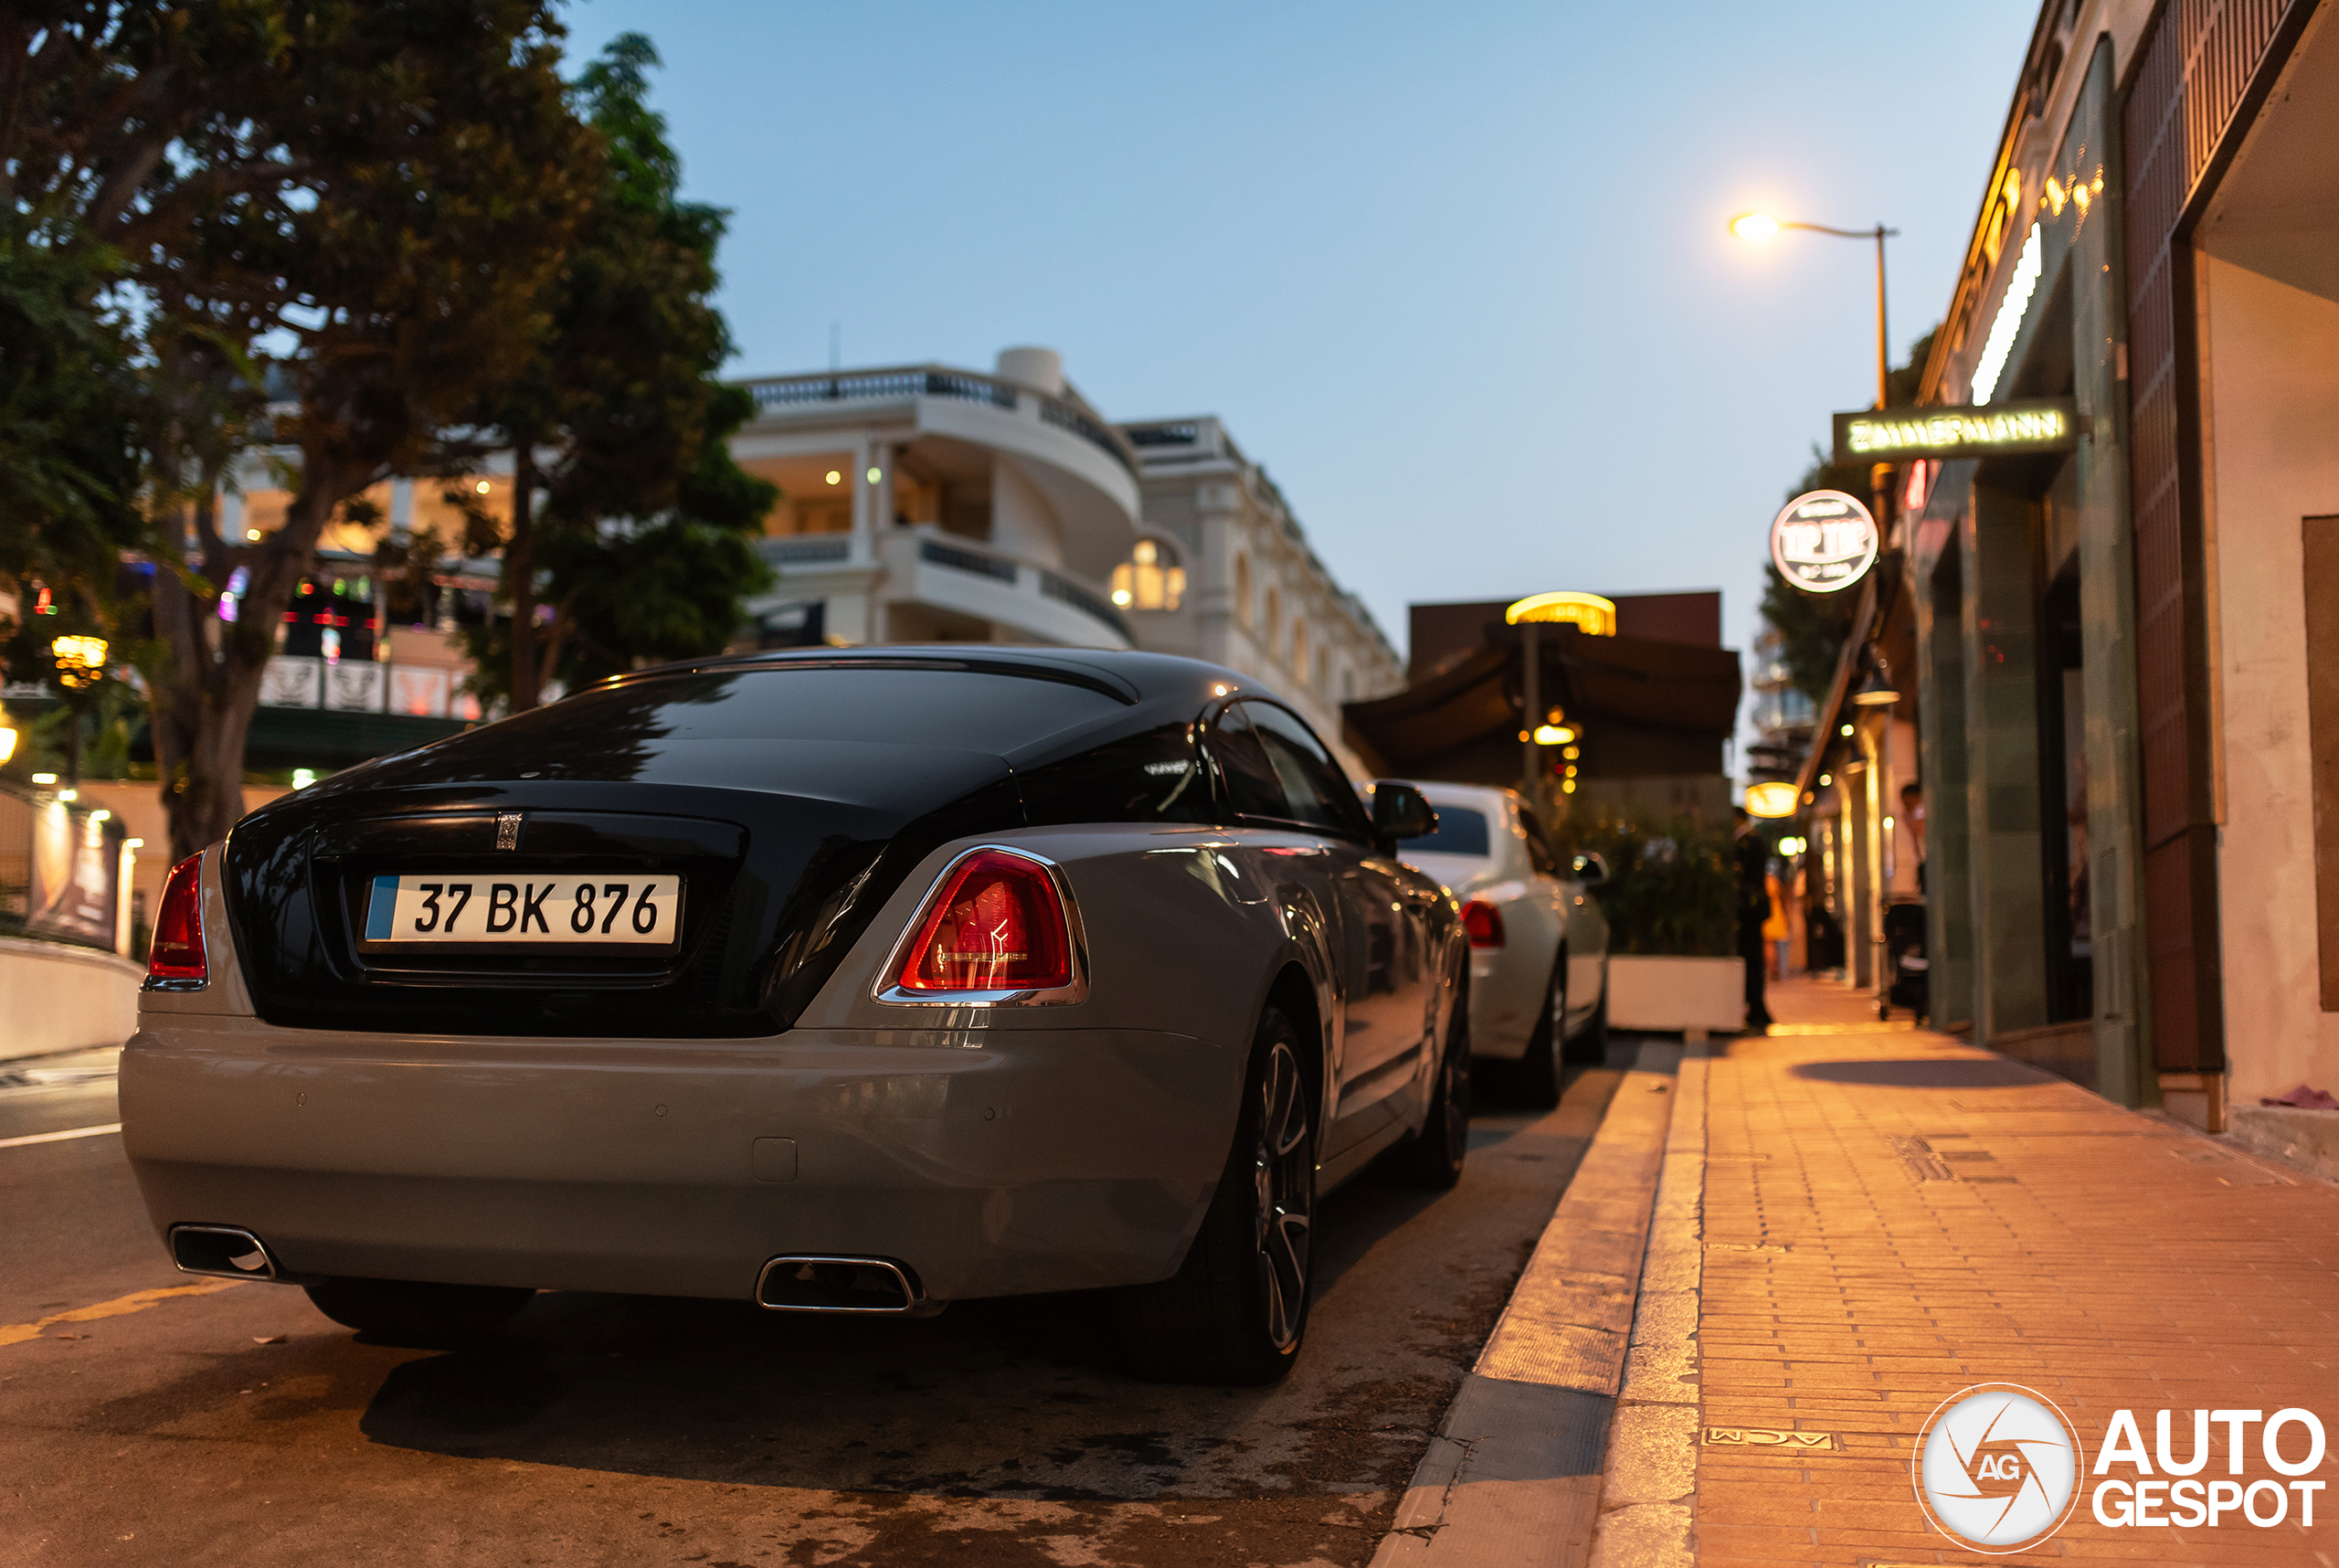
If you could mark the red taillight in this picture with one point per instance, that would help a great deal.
(177, 950)
(997, 924)
(1483, 922)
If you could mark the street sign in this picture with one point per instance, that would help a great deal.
(1824, 542)
(1996, 429)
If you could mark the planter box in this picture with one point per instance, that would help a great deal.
(1670, 995)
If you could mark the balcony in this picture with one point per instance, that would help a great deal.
(778, 393)
(1028, 600)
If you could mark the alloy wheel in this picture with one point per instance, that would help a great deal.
(1283, 1168)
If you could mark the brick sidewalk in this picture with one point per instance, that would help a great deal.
(1891, 1215)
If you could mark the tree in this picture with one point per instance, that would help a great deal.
(1813, 627)
(619, 424)
(433, 178)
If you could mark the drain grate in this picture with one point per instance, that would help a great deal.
(1922, 1162)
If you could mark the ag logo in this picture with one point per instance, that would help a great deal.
(1997, 1468)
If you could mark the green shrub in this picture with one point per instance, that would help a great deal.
(1671, 887)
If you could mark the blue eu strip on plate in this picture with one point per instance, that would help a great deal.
(381, 909)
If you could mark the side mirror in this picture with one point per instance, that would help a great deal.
(1590, 870)
(1401, 811)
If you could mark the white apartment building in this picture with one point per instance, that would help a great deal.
(927, 504)
(922, 504)
(1222, 571)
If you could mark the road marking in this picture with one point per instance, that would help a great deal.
(59, 1137)
(136, 1301)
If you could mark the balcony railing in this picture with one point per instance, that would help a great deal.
(932, 381)
(1000, 570)
(805, 550)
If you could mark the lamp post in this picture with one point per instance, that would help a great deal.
(1760, 226)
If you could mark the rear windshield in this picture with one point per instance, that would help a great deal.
(1460, 830)
(675, 728)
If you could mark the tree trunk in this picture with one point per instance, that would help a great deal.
(520, 580)
(201, 706)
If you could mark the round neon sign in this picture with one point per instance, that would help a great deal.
(1824, 542)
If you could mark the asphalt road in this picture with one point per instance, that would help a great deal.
(231, 1422)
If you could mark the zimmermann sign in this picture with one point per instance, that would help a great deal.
(1993, 429)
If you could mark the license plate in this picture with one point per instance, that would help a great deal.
(609, 910)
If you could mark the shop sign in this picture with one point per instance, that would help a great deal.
(1998, 429)
(1772, 797)
(1824, 542)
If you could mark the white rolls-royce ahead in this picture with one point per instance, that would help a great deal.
(1538, 942)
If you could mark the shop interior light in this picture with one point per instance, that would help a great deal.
(103, 815)
(1846, 730)
(133, 843)
(44, 778)
(80, 660)
(876, 474)
(836, 476)
(303, 777)
(481, 487)
(1553, 734)
(8, 743)
(1826, 778)
(69, 794)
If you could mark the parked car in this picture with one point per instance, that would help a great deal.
(1538, 942)
(837, 980)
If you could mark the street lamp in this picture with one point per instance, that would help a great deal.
(1758, 227)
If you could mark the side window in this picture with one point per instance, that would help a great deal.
(1154, 777)
(1252, 788)
(1538, 850)
(1314, 790)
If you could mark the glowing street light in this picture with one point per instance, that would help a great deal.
(80, 660)
(1758, 227)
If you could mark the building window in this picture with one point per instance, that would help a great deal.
(1323, 669)
(1275, 620)
(1243, 590)
(1299, 647)
(1151, 578)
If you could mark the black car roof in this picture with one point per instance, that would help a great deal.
(1128, 677)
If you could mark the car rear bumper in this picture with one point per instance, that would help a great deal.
(991, 1163)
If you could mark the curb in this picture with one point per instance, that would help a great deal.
(1648, 1485)
(1515, 1475)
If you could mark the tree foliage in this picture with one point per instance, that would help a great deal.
(621, 426)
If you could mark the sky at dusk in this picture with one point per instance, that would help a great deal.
(1457, 274)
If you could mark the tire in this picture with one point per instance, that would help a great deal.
(1236, 1311)
(1536, 1083)
(1433, 1156)
(413, 1312)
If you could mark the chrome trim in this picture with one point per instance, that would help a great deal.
(267, 1259)
(915, 1303)
(882, 988)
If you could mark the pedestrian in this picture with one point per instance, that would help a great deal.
(1752, 857)
(1774, 925)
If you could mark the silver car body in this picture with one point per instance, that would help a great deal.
(1541, 911)
(993, 1150)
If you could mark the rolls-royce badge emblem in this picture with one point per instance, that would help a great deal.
(507, 830)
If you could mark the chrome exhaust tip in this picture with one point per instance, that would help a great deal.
(221, 1250)
(865, 1285)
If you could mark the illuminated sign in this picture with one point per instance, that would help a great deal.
(2008, 321)
(1774, 799)
(1824, 542)
(1596, 616)
(1897, 435)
